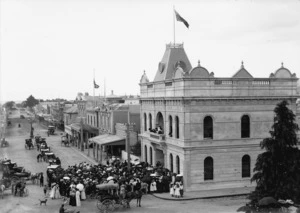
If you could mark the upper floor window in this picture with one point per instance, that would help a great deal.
(145, 122)
(245, 126)
(246, 167)
(170, 126)
(208, 168)
(177, 127)
(208, 127)
(150, 121)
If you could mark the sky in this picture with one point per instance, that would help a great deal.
(55, 48)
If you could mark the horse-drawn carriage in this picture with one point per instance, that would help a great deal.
(51, 130)
(28, 144)
(12, 173)
(65, 141)
(108, 199)
(4, 143)
(50, 157)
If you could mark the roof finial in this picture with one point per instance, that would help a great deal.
(198, 63)
(242, 65)
(281, 64)
(144, 71)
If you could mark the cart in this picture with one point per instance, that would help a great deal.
(64, 140)
(51, 130)
(28, 144)
(109, 200)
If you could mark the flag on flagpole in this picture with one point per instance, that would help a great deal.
(96, 86)
(179, 18)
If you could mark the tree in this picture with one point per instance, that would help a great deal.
(31, 102)
(277, 170)
(9, 105)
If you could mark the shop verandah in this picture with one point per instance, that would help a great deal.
(105, 146)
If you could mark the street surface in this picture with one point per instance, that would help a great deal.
(69, 156)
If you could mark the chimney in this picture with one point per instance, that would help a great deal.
(112, 92)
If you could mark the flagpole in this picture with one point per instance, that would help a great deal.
(174, 23)
(104, 90)
(94, 89)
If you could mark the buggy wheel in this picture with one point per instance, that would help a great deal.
(14, 179)
(106, 206)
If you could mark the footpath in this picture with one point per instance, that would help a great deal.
(204, 194)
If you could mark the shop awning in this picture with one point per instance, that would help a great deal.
(108, 139)
(68, 129)
(88, 128)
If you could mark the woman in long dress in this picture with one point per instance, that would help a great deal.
(72, 197)
(57, 193)
(52, 192)
(78, 198)
(153, 186)
(83, 195)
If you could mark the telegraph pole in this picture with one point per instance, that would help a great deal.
(128, 146)
(81, 134)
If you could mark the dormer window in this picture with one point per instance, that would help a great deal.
(161, 67)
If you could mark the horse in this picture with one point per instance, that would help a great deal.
(144, 187)
(39, 157)
(35, 178)
(2, 188)
(138, 194)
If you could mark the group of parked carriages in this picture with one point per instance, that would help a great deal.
(14, 176)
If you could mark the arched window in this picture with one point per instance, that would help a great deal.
(246, 166)
(177, 126)
(160, 121)
(151, 156)
(177, 164)
(245, 126)
(170, 126)
(145, 122)
(171, 162)
(208, 168)
(146, 154)
(150, 121)
(208, 127)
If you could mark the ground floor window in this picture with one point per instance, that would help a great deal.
(208, 168)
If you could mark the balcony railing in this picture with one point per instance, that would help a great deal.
(158, 137)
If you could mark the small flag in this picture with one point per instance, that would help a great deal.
(96, 86)
(179, 18)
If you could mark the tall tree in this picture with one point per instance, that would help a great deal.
(9, 105)
(277, 170)
(31, 101)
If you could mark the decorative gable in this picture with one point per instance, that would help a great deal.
(242, 73)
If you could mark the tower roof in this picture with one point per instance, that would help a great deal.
(174, 56)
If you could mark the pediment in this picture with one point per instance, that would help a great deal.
(242, 73)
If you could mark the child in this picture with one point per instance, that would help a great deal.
(181, 189)
(171, 190)
(45, 190)
(177, 190)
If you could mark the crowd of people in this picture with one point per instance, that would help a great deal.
(80, 180)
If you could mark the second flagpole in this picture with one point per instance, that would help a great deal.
(174, 22)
